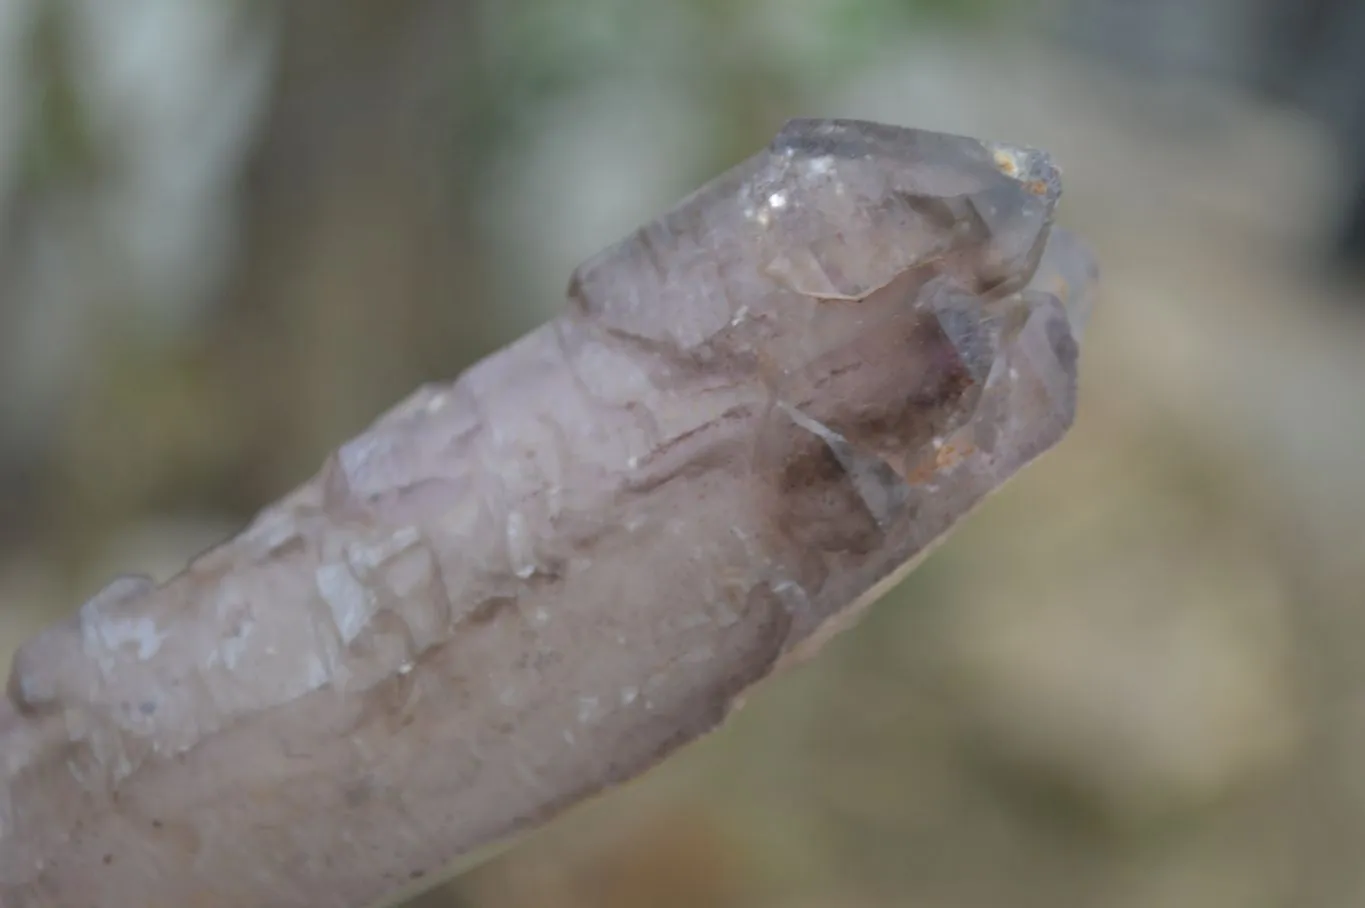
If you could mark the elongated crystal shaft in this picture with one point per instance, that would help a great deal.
(522, 587)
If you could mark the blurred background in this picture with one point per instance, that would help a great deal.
(233, 231)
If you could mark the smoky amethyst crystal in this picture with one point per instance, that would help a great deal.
(521, 587)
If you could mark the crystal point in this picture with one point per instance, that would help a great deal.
(1069, 272)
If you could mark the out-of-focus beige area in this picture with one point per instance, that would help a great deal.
(233, 231)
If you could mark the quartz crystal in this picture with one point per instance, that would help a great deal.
(524, 586)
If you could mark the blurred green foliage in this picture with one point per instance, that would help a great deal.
(60, 150)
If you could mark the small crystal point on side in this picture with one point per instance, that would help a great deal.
(1069, 272)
